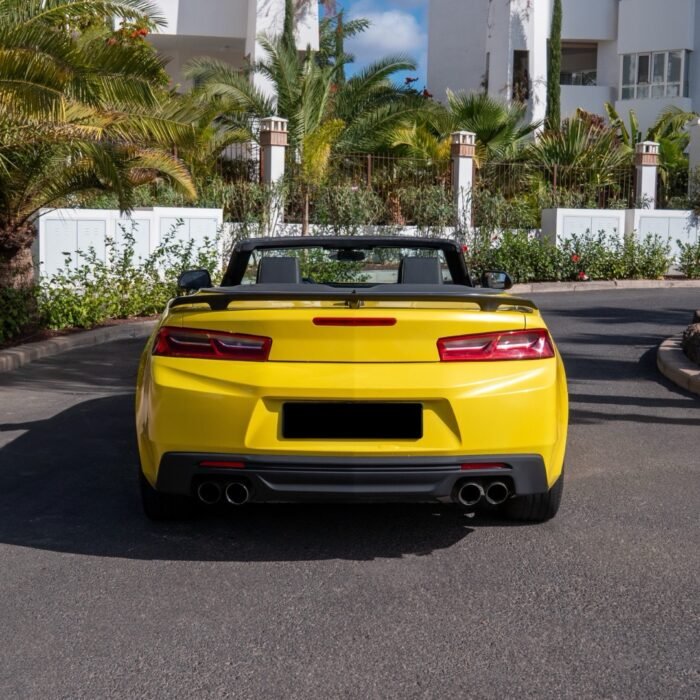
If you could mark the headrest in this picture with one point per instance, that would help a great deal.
(420, 270)
(283, 270)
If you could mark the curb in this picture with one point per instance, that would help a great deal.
(675, 366)
(16, 357)
(600, 286)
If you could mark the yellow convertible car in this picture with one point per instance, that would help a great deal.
(353, 368)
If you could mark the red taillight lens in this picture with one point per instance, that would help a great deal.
(213, 345)
(534, 344)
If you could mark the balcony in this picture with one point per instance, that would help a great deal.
(579, 78)
(590, 98)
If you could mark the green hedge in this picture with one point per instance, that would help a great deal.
(124, 286)
(593, 256)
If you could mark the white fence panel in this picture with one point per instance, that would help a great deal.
(65, 232)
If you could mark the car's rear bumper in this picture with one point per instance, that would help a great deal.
(294, 478)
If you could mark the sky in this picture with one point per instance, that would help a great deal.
(398, 26)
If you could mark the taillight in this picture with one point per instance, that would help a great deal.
(213, 345)
(532, 344)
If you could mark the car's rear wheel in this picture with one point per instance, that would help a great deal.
(163, 506)
(537, 507)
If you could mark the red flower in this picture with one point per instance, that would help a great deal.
(582, 276)
(575, 258)
(465, 248)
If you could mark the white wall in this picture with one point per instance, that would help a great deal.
(456, 45)
(609, 66)
(656, 25)
(205, 17)
(539, 16)
(558, 224)
(648, 110)
(498, 44)
(69, 231)
(592, 98)
(179, 51)
(589, 20)
(671, 226)
(694, 63)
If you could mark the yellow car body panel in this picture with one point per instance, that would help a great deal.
(469, 408)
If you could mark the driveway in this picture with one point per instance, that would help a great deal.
(359, 601)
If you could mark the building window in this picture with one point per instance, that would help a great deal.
(654, 75)
(579, 64)
(521, 76)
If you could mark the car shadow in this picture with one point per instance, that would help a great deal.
(68, 484)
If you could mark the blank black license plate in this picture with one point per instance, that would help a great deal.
(352, 420)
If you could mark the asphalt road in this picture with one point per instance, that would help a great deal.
(359, 601)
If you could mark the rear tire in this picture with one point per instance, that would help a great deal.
(537, 507)
(163, 506)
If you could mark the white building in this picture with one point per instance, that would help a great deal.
(637, 54)
(226, 29)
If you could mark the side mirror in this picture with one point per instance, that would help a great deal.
(495, 279)
(192, 280)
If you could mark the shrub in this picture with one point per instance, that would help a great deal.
(599, 256)
(689, 259)
(346, 210)
(604, 257)
(18, 311)
(429, 208)
(122, 287)
(525, 257)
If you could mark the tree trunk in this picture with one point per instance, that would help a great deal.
(16, 263)
(305, 217)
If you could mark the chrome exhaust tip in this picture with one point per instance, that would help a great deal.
(209, 492)
(237, 493)
(470, 494)
(497, 492)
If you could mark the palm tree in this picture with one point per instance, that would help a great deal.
(583, 157)
(669, 131)
(500, 129)
(324, 115)
(82, 109)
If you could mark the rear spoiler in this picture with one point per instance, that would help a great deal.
(218, 298)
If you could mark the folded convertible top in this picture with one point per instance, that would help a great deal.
(218, 298)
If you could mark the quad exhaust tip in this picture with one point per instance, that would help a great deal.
(209, 492)
(470, 494)
(237, 493)
(496, 493)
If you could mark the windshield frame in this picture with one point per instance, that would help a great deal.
(243, 250)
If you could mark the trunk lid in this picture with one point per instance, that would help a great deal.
(324, 331)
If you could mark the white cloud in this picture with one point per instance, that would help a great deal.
(390, 32)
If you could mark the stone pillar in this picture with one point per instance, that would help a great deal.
(463, 150)
(646, 161)
(273, 148)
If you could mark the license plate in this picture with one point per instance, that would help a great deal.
(352, 420)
